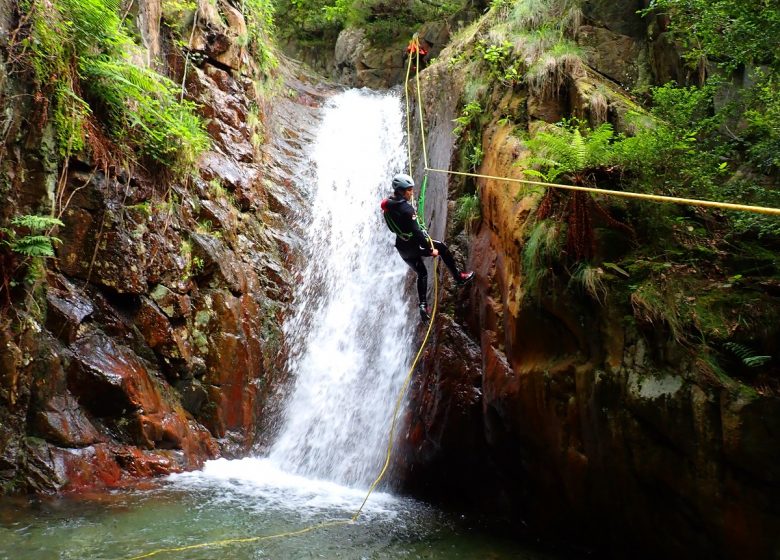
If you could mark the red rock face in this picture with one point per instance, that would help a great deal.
(554, 410)
(157, 344)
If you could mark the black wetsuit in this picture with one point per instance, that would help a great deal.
(413, 243)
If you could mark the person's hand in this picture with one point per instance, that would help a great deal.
(434, 252)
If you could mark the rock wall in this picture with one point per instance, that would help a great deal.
(152, 341)
(554, 409)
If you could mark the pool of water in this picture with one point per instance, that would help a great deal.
(240, 499)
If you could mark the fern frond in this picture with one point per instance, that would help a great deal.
(34, 222)
(746, 355)
(34, 246)
(579, 150)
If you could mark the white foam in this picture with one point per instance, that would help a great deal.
(350, 336)
(262, 484)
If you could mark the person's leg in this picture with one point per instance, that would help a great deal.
(418, 266)
(461, 278)
(447, 257)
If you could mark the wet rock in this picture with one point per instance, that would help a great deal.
(222, 218)
(445, 425)
(616, 56)
(226, 111)
(144, 464)
(349, 45)
(67, 309)
(110, 380)
(174, 305)
(748, 423)
(96, 248)
(62, 422)
(219, 261)
(170, 344)
(90, 467)
(193, 395)
(243, 181)
(216, 35)
(149, 16)
(619, 17)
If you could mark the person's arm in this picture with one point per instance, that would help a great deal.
(409, 224)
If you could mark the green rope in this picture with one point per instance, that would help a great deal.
(421, 204)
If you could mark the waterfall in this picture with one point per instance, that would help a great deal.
(351, 333)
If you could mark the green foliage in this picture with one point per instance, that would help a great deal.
(732, 32)
(590, 279)
(748, 356)
(79, 53)
(500, 4)
(467, 211)
(467, 117)
(143, 110)
(555, 65)
(502, 65)
(259, 16)
(29, 235)
(762, 113)
(536, 36)
(563, 151)
(471, 141)
(564, 16)
(384, 22)
(540, 253)
(654, 304)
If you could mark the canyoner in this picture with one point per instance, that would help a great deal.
(413, 242)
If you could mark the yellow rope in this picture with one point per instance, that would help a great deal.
(226, 542)
(420, 107)
(335, 522)
(398, 402)
(408, 114)
(624, 194)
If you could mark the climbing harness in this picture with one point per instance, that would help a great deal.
(406, 236)
(393, 425)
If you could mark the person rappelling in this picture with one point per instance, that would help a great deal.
(413, 242)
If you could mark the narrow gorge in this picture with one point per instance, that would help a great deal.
(204, 325)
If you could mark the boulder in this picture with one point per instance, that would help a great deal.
(616, 56)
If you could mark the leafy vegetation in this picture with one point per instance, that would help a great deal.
(30, 235)
(541, 253)
(384, 22)
(80, 55)
(467, 212)
(730, 32)
(259, 16)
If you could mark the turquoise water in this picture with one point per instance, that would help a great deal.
(223, 504)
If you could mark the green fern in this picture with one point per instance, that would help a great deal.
(746, 355)
(564, 150)
(467, 211)
(36, 243)
(80, 55)
(36, 223)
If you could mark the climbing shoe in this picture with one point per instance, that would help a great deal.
(425, 312)
(464, 278)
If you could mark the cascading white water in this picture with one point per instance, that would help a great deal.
(351, 334)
